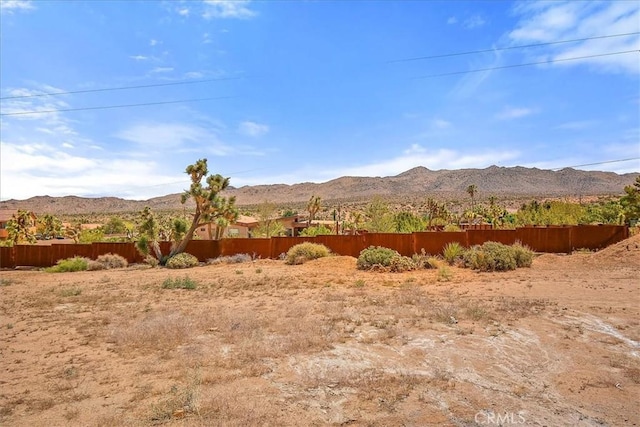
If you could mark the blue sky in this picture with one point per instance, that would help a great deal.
(308, 91)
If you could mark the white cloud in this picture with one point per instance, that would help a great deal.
(514, 113)
(253, 129)
(67, 145)
(194, 75)
(474, 21)
(542, 21)
(10, 6)
(153, 42)
(163, 136)
(440, 124)
(183, 11)
(577, 125)
(139, 57)
(43, 170)
(206, 38)
(227, 9)
(162, 70)
(452, 20)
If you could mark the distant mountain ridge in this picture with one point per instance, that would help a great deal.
(422, 182)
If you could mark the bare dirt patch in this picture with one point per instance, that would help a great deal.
(322, 343)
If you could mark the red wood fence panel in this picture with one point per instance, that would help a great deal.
(434, 242)
(7, 257)
(478, 237)
(597, 236)
(545, 239)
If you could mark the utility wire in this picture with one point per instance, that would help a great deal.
(597, 163)
(527, 64)
(115, 106)
(186, 82)
(446, 55)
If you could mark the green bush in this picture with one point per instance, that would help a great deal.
(182, 260)
(401, 263)
(303, 252)
(452, 252)
(375, 257)
(69, 264)
(523, 254)
(112, 261)
(184, 283)
(490, 256)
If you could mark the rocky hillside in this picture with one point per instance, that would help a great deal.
(504, 182)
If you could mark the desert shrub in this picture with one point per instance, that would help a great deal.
(523, 254)
(76, 263)
(490, 256)
(452, 252)
(306, 251)
(151, 260)
(112, 261)
(182, 260)
(401, 263)
(231, 259)
(424, 260)
(93, 265)
(177, 283)
(451, 227)
(375, 257)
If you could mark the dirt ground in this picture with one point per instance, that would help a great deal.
(263, 343)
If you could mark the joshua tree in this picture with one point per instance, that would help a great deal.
(313, 207)
(20, 227)
(49, 226)
(631, 201)
(210, 206)
(472, 190)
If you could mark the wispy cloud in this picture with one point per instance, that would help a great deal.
(11, 6)
(440, 123)
(161, 70)
(475, 21)
(514, 113)
(452, 20)
(577, 125)
(253, 129)
(183, 11)
(140, 57)
(542, 21)
(153, 42)
(238, 9)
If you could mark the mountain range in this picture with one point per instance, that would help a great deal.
(504, 182)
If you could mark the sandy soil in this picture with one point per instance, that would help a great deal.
(263, 343)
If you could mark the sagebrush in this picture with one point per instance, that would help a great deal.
(182, 260)
(303, 252)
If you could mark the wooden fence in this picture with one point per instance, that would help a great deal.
(541, 239)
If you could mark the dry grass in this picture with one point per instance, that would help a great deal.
(316, 344)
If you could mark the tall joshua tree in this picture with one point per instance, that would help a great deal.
(313, 207)
(210, 206)
(472, 190)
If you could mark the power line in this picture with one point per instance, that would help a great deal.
(186, 82)
(598, 163)
(115, 106)
(446, 55)
(527, 64)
